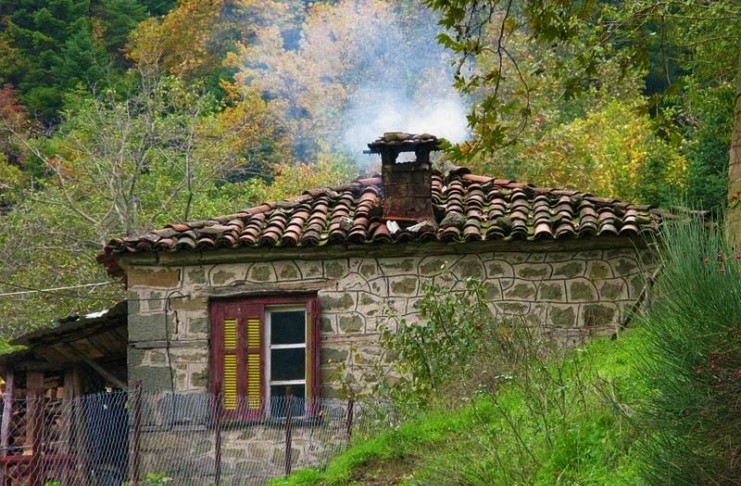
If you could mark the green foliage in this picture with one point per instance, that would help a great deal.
(157, 479)
(426, 356)
(58, 49)
(119, 164)
(707, 129)
(516, 408)
(159, 7)
(611, 150)
(7, 348)
(118, 18)
(691, 361)
(12, 181)
(513, 56)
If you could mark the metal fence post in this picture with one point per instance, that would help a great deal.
(289, 432)
(218, 411)
(136, 459)
(350, 413)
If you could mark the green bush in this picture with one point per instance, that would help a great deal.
(691, 361)
(426, 357)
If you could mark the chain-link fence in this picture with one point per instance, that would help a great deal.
(141, 438)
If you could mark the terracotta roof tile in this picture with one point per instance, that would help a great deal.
(467, 207)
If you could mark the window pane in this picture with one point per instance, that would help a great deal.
(287, 327)
(279, 402)
(288, 364)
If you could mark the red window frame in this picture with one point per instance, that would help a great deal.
(242, 312)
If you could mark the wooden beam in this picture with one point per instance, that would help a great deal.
(75, 433)
(106, 374)
(172, 344)
(85, 348)
(35, 365)
(7, 411)
(95, 366)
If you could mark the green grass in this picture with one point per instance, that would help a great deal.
(502, 439)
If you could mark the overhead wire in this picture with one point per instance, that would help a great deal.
(60, 291)
(30, 290)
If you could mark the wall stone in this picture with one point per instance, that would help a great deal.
(153, 277)
(150, 327)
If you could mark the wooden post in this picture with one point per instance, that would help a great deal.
(350, 412)
(36, 423)
(7, 418)
(70, 430)
(136, 459)
(8, 403)
(289, 432)
(34, 384)
(78, 434)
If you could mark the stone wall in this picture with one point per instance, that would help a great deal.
(178, 439)
(573, 294)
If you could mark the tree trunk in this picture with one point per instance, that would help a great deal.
(733, 217)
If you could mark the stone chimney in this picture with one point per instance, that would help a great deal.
(407, 186)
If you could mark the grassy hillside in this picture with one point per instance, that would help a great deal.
(585, 437)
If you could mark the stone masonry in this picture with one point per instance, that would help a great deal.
(573, 294)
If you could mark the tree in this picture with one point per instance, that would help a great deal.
(192, 40)
(119, 163)
(15, 119)
(117, 18)
(56, 48)
(693, 40)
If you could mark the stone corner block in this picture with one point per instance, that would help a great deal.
(153, 277)
(150, 328)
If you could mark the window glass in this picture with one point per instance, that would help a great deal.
(279, 402)
(287, 327)
(288, 364)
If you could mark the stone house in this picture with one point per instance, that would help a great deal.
(275, 296)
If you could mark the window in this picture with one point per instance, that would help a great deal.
(261, 348)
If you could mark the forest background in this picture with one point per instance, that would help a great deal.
(118, 116)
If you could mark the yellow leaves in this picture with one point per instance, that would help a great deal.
(292, 180)
(12, 180)
(612, 151)
(178, 43)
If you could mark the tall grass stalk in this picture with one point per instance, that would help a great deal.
(691, 361)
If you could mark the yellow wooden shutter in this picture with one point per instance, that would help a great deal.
(231, 341)
(254, 365)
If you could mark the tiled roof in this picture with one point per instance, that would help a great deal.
(467, 208)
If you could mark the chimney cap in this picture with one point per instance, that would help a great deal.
(405, 142)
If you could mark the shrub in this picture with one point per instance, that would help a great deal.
(457, 347)
(691, 361)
